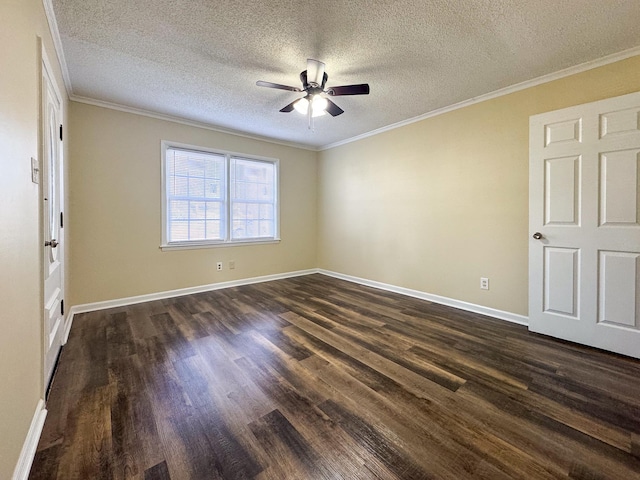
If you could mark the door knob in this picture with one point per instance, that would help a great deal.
(537, 235)
(53, 243)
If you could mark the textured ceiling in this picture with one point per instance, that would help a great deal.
(200, 59)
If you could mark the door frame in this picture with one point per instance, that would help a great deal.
(45, 69)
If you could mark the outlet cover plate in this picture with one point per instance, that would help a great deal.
(35, 171)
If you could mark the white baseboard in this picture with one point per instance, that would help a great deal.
(67, 326)
(451, 302)
(30, 445)
(122, 302)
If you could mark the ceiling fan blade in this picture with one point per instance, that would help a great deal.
(288, 108)
(333, 109)
(325, 77)
(315, 71)
(361, 89)
(260, 83)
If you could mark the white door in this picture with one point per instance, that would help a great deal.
(51, 196)
(584, 222)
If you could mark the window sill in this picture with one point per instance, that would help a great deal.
(194, 246)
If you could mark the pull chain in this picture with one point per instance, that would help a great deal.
(310, 115)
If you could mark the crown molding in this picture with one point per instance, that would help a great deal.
(184, 121)
(57, 44)
(583, 67)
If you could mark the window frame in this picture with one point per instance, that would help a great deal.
(227, 241)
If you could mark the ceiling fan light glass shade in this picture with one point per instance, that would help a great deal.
(301, 106)
(319, 105)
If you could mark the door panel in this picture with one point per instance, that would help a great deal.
(619, 192)
(584, 201)
(562, 188)
(52, 232)
(618, 285)
(561, 281)
(620, 122)
(568, 131)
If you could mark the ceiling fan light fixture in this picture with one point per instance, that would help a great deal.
(318, 105)
(315, 102)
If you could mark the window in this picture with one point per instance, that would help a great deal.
(217, 198)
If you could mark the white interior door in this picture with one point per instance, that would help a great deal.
(51, 196)
(584, 205)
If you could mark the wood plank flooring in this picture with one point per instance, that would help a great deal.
(317, 378)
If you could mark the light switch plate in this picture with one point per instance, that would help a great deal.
(35, 171)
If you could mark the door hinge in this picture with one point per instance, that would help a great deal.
(61, 220)
(60, 132)
(61, 307)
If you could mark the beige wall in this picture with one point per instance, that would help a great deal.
(115, 216)
(437, 204)
(21, 342)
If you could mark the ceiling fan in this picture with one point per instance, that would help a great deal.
(315, 102)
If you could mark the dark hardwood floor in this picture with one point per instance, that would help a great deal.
(317, 378)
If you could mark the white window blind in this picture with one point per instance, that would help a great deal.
(214, 198)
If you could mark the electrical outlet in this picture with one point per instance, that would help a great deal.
(232, 264)
(484, 283)
(219, 266)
